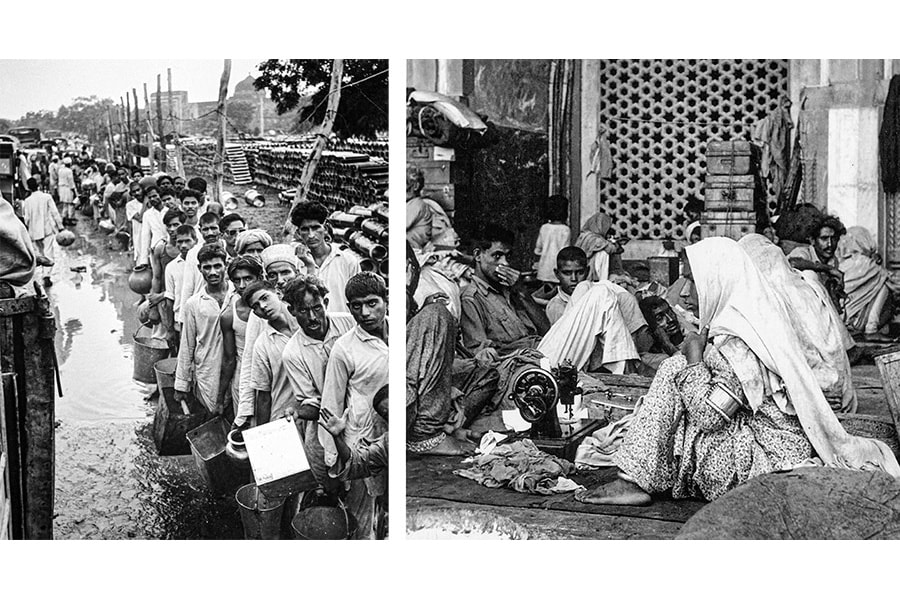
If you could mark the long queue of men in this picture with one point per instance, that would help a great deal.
(261, 330)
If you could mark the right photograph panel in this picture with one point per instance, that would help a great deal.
(652, 299)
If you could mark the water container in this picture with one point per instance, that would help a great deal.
(147, 352)
(208, 443)
(165, 373)
(141, 280)
(254, 199)
(260, 516)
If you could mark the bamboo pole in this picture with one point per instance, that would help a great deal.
(179, 162)
(110, 151)
(129, 139)
(137, 126)
(219, 166)
(309, 169)
(153, 166)
(159, 117)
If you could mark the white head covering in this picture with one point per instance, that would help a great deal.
(821, 332)
(279, 253)
(737, 300)
(245, 238)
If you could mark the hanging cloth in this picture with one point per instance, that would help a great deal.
(889, 139)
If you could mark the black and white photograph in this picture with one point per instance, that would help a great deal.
(652, 299)
(193, 299)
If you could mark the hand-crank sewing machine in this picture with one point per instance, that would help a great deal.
(536, 393)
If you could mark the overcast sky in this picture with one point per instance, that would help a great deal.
(27, 85)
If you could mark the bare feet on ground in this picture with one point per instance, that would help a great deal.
(450, 446)
(618, 492)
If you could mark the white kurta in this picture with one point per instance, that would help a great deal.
(335, 271)
(200, 352)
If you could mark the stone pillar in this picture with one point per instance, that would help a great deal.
(590, 119)
(421, 74)
(450, 77)
(853, 166)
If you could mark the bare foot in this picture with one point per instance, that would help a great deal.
(618, 492)
(450, 446)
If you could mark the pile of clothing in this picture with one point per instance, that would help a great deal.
(520, 465)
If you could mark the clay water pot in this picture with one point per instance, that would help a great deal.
(65, 238)
(141, 279)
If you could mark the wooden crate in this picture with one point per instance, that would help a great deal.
(729, 158)
(734, 225)
(734, 193)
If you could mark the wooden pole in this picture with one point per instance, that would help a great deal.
(137, 127)
(153, 166)
(129, 139)
(219, 166)
(159, 117)
(110, 149)
(179, 162)
(309, 169)
(123, 140)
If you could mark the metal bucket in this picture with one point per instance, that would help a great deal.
(208, 443)
(165, 373)
(324, 523)
(254, 199)
(147, 352)
(260, 516)
(229, 202)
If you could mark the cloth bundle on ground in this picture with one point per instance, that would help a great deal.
(741, 302)
(520, 466)
(820, 331)
(597, 449)
(864, 278)
(17, 255)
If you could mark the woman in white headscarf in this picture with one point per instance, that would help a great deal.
(822, 335)
(866, 282)
(741, 406)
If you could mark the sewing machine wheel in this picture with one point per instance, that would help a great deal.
(535, 393)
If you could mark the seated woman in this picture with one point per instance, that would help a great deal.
(867, 283)
(743, 405)
(601, 247)
(822, 335)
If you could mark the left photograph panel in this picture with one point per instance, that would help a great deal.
(193, 299)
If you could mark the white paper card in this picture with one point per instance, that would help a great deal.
(276, 451)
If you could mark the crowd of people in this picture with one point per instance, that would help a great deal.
(750, 349)
(261, 330)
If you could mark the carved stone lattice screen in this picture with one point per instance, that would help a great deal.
(660, 115)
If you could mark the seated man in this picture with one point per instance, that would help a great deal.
(664, 329)
(496, 318)
(867, 283)
(431, 334)
(571, 269)
(818, 260)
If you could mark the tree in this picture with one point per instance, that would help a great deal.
(363, 110)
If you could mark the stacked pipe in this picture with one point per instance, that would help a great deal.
(365, 231)
(342, 179)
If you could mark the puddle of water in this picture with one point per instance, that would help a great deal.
(96, 318)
